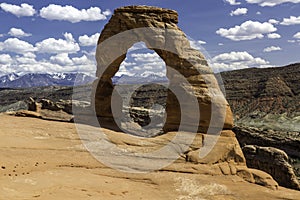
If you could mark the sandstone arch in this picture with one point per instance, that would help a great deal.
(163, 33)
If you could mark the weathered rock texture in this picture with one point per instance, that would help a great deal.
(273, 161)
(163, 33)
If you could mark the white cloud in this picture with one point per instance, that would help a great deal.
(29, 55)
(137, 46)
(24, 10)
(291, 41)
(25, 60)
(123, 71)
(58, 46)
(237, 60)
(71, 14)
(61, 59)
(17, 46)
(197, 44)
(16, 32)
(220, 44)
(107, 12)
(5, 59)
(291, 21)
(247, 31)
(271, 3)
(92, 40)
(297, 35)
(273, 21)
(272, 48)
(258, 13)
(27, 63)
(233, 2)
(274, 36)
(239, 11)
(136, 64)
(83, 60)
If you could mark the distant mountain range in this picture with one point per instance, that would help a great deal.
(139, 79)
(14, 80)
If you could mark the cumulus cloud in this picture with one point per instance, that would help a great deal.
(291, 21)
(5, 59)
(58, 46)
(272, 48)
(71, 14)
(237, 60)
(273, 21)
(271, 3)
(233, 2)
(247, 31)
(27, 63)
(239, 11)
(274, 36)
(297, 35)
(86, 40)
(28, 59)
(16, 32)
(24, 10)
(16, 46)
(61, 59)
(139, 64)
(83, 60)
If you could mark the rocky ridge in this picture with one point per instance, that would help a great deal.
(266, 97)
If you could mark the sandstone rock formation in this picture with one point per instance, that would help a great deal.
(274, 162)
(193, 90)
(195, 83)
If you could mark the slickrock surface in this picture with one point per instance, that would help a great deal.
(196, 84)
(46, 160)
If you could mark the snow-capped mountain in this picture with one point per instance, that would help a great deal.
(38, 80)
(139, 79)
(14, 80)
(8, 78)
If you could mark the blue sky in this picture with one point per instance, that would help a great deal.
(61, 36)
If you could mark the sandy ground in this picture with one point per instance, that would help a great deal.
(46, 160)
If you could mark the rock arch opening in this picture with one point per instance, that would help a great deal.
(142, 83)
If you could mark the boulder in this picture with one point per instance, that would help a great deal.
(273, 161)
